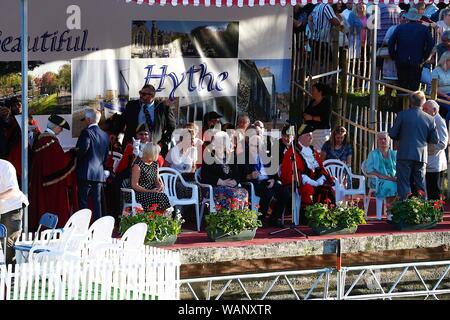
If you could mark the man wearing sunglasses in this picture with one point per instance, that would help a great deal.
(158, 117)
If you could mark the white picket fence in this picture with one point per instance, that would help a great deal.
(154, 276)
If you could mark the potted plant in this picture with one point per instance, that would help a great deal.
(234, 224)
(416, 213)
(331, 219)
(162, 227)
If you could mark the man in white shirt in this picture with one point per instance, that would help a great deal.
(12, 201)
(437, 161)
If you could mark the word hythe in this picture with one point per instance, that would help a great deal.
(197, 77)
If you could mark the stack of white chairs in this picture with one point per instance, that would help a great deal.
(70, 239)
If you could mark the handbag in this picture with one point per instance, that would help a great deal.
(383, 52)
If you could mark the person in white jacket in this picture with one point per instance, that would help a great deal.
(437, 161)
(12, 202)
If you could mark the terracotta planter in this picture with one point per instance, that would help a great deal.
(406, 227)
(319, 231)
(219, 236)
(167, 241)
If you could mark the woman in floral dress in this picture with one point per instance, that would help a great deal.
(220, 171)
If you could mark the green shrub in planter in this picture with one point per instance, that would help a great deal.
(232, 221)
(415, 211)
(161, 224)
(324, 216)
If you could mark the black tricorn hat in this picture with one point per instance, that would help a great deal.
(212, 115)
(305, 128)
(59, 121)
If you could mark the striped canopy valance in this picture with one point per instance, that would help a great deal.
(252, 3)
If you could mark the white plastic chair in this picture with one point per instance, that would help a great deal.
(170, 177)
(128, 248)
(341, 172)
(48, 220)
(79, 220)
(133, 204)
(205, 201)
(99, 233)
(379, 202)
(116, 159)
(254, 199)
(68, 247)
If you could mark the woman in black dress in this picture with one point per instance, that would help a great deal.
(145, 179)
(219, 169)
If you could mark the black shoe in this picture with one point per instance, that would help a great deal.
(276, 223)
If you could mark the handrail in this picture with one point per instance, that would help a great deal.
(396, 87)
(321, 75)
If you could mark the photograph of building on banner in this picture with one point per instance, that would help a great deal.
(189, 39)
(99, 84)
(263, 89)
(49, 86)
(193, 109)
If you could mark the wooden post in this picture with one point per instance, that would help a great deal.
(335, 56)
(434, 86)
(405, 102)
(344, 82)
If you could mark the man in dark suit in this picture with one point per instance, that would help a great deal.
(158, 117)
(92, 151)
(413, 129)
(409, 46)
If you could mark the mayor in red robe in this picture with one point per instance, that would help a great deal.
(52, 182)
(314, 182)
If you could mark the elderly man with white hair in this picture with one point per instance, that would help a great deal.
(437, 161)
(220, 170)
(413, 129)
(92, 152)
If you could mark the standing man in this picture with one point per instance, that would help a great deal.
(12, 201)
(413, 129)
(243, 122)
(437, 161)
(409, 46)
(51, 175)
(158, 117)
(92, 146)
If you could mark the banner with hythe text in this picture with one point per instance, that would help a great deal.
(98, 54)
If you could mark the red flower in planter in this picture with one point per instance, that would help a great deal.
(139, 210)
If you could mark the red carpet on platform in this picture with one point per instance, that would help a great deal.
(189, 238)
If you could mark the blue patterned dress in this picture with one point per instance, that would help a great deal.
(385, 166)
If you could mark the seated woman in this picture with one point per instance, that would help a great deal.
(381, 163)
(145, 179)
(337, 147)
(442, 73)
(183, 157)
(315, 184)
(219, 170)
